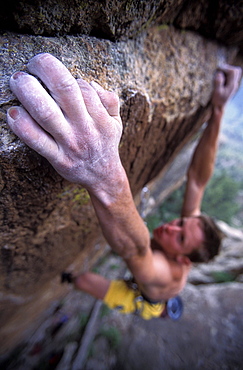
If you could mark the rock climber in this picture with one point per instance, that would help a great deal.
(77, 127)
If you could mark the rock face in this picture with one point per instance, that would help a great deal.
(163, 77)
(116, 19)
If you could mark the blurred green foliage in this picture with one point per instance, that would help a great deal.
(220, 201)
(220, 197)
(167, 211)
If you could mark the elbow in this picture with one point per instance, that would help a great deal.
(135, 242)
(134, 251)
(135, 248)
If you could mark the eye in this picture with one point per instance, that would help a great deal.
(181, 222)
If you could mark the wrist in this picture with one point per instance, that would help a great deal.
(218, 110)
(113, 185)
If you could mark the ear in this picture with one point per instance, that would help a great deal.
(183, 260)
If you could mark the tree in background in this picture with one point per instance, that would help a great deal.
(220, 201)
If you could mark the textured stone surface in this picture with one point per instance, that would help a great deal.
(164, 81)
(214, 19)
(111, 18)
(115, 19)
(164, 88)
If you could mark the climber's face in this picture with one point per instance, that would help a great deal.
(180, 236)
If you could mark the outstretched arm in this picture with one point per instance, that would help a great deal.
(77, 128)
(202, 165)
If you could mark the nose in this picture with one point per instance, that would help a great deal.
(173, 228)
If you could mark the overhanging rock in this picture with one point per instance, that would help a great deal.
(122, 19)
(164, 88)
(164, 81)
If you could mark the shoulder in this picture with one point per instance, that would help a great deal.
(171, 270)
(169, 278)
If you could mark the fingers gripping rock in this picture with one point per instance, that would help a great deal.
(109, 99)
(77, 127)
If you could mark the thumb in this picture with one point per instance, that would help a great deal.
(219, 79)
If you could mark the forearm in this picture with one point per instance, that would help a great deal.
(121, 224)
(92, 283)
(202, 164)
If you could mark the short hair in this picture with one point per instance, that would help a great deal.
(211, 245)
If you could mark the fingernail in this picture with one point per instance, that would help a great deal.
(13, 113)
(17, 75)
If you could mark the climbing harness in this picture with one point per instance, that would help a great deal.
(173, 307)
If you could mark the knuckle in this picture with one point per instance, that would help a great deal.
(114, 99)
(72, 145)
(67, 84)
(47, 114)
(102, 116)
